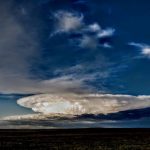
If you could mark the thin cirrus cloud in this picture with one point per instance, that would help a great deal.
(144, 48)
(106, 33)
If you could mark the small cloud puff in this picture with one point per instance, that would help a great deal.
(145, 49)
(106, 33)
(67, 21)
(95, 27)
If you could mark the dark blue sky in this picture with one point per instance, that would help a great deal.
(100, 46)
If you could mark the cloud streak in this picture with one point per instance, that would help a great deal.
(144, 48)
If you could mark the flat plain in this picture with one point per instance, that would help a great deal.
(75, 139)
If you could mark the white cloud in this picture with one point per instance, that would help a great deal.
(67, 21)
(77, 104)
(146, 51)
(106, 33)
(144, 48)
(92, 41)
(140, 45)
(106, 45)
(95, 27)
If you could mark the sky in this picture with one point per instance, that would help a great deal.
(51, 45)
(75, 46)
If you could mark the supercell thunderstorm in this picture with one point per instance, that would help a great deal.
(79, 104)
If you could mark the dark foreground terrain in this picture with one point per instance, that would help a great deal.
(76, 139)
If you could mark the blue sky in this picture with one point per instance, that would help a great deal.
(74, 45)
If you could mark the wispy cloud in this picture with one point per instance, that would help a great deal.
(73, 22)
(106, 33)
(144, 48)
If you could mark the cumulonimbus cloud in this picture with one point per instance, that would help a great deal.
(78, 104)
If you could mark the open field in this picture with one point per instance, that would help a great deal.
(76, 139)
